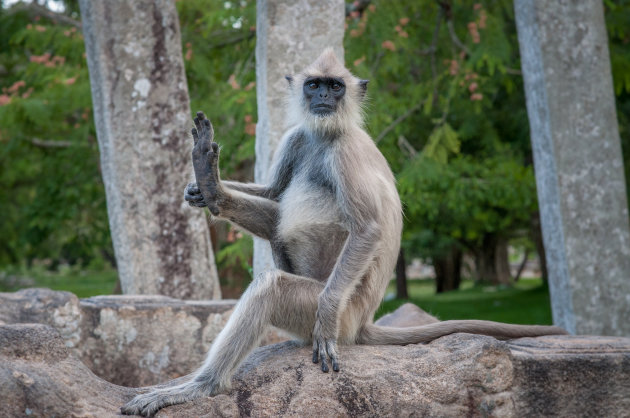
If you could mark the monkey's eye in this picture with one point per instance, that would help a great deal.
(336, 86)
(312, 85)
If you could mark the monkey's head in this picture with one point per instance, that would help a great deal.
(326, 97)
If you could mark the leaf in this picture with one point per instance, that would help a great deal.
(442, 142)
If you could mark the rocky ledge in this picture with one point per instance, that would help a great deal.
(456, 375)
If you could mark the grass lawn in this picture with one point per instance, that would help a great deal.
(525, 303)
(82, 283)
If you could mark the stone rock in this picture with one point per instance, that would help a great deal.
(143, 340)
(591, 373)
(129, 340)
(408, 315)
(456, 375)
(58, 309)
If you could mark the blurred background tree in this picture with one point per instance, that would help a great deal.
(446, 108)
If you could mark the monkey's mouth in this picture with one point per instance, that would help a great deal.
(322, 109)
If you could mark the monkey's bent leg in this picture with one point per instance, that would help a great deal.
(274, 298)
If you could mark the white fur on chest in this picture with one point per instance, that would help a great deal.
(305, 208)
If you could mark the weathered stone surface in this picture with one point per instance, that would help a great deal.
(129, 340)
(579, 165)
(144, 340)
(582, 376)
(142, 117)
(408, 315)
(457, 375)
(58, 309)
(289, 36)
(40, 377)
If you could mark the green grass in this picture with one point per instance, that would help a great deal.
(83, 283)
(525, 303)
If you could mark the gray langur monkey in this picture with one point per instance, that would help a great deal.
(333, 217)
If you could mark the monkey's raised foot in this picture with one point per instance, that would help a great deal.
(147, 404)
(205, 156)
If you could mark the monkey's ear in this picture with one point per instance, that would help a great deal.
(289, 79)
(363, 85)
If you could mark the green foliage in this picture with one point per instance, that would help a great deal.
(51, 193)
(463, 200)
(461, 153)
(237, 254)
(447, 110)
(442, 142)
(218, 39)
(219, 44)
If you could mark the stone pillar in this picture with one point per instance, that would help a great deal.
(290, 36)
(578, 162)
(142, 117)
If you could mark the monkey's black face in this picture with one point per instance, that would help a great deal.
(323, 94)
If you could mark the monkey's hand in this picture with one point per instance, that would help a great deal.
(205, 156)
(325, 341)
(193, 196)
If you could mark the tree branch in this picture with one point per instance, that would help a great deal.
(513, 71)
(398, 120)
(47, 143)
(454, 38)
(234, 40)
(37, 10)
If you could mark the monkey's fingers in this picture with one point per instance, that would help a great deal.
(200, 117)
(192, 189)
(204, 128)
(315, 351)
(195, 200)
(213, 160)
(324, 350)
(331, 348)
(195, 135)
(214, 210)
(323, 356)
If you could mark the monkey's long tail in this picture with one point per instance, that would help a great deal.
(378, 335)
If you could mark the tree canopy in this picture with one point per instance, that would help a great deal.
(446, 107)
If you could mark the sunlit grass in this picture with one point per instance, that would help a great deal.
(527, 302)
(83, 283)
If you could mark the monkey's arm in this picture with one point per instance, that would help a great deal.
(281, 172)
(253, 189)
(193, 195)
(257, 215)
(362, 209)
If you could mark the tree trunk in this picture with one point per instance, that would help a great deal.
(143, 120)
(492, 261)
(522, 266)
(579, 162)
(401, 276)
(448, 270)
(289, 36)
(537, 237)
